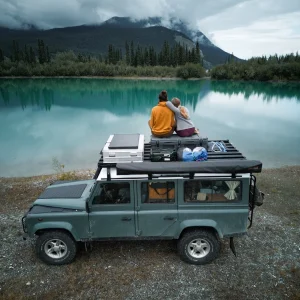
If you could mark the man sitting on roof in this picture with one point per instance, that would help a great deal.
(162, 122)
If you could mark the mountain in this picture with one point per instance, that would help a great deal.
(211, 53)
(174, 24)
(94, 39)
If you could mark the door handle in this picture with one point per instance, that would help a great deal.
(126, 219)
(169, 218)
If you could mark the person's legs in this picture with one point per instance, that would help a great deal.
(186, 132)
(164, 135)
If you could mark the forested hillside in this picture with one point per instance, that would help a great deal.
(277, 68)
(170, 61)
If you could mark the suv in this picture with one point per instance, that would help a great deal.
(196, 203)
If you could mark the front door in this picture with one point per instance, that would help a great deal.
(157, 214)
(112, 210)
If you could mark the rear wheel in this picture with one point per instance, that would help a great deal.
(56, 247)
(198, 247)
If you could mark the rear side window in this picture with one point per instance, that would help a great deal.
(158, 192)
(212, 190)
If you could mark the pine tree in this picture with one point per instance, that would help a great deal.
(151, 56)
(193, 56)
(42, 52)
(198, 53)
(146, 57)
(26, 55)
(138, 57)
(15, 51)
(132, 55)
(186, 55)
(176, 54)
(47, 55)
(1, 56)
(21, 55)
(110, 53)
(160, 58)
(181, 59)
(116, 56)
(166, 54)
(32, 58)
(171, 58)
(127, 53)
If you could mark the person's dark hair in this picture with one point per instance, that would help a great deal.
(163, 96)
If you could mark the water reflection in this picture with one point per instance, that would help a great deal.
(129, 94)
(267, 90)
(97, 94)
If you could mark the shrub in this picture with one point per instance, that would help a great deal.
(190, 71)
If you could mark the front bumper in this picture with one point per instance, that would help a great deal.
(23, 220)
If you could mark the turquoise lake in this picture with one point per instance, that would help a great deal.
(70, 119)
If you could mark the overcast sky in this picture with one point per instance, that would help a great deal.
(246, 28)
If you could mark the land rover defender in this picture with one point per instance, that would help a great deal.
(132, 197)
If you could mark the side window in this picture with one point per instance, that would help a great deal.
(212, 190)
(158, 192)
(113, 193)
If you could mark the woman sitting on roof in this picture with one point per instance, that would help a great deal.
(184, 125)
(162, 122)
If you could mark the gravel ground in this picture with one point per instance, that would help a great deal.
(267, 265)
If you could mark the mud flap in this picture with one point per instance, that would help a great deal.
(232, 247)
(88, 246)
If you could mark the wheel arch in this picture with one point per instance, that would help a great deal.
(208, 225)
(40, 228)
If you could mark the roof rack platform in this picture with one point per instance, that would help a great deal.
(232, 156)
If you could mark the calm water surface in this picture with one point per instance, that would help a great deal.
(70, 119)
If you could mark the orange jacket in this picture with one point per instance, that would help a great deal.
(162, 119)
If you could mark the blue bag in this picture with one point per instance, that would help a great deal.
(198, 154)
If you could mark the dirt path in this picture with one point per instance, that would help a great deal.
(267, 266)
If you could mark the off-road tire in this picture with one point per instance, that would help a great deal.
(208, 238)
(66, 240)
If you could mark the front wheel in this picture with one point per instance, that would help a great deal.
(56, 248)
(198, 247)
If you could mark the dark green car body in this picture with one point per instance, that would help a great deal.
(85, 219)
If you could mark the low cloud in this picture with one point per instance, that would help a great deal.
(247, 27)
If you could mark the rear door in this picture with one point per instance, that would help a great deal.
(156, 206)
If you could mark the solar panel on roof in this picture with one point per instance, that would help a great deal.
(124, 141)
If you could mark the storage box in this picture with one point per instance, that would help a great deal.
(124, 148)
(175, 141)
(157, 155)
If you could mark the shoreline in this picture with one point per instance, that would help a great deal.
(105, 77)
(148, 78)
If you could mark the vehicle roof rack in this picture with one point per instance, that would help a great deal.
(231, 154)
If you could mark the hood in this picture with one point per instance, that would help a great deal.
(70, 194)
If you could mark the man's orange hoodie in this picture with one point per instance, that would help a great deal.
(162, 119)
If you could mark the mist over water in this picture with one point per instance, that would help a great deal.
(70, 119)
